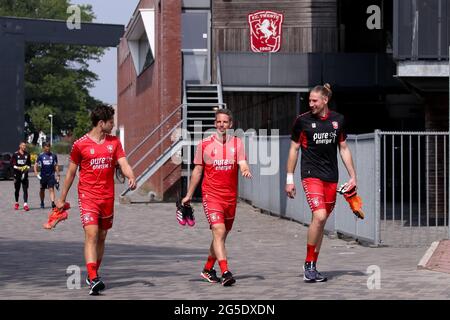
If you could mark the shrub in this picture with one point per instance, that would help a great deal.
(62, 147)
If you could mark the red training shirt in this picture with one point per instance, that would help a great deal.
(97, 164)
(220, 162)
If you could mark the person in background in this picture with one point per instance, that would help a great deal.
(48, 163)
(21, 163)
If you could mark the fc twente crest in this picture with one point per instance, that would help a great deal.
(265, 31)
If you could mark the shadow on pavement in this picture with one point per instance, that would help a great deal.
(337, 274)
(44, 263)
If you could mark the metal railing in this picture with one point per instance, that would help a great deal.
(153, 141)
(139, 145)
(413, 183)
(402, 180)
(266, 189)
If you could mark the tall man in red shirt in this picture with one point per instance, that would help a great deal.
(96, 154)
(219, 156)
(319, 133)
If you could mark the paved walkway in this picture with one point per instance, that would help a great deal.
(149, 256)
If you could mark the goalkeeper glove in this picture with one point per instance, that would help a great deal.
(353, 200)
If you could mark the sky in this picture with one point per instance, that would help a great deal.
(113, 12)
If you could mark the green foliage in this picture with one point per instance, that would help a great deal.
(62, 147)
(34, 151)
(83, 123)
(39, 117)
(56, 76)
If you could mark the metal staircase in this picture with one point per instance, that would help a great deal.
(202, 102)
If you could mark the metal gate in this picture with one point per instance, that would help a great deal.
(413, 187)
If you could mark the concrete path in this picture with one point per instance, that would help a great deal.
(150, 256)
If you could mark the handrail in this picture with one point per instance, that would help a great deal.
(155, 130)
(219, 81)
(157, 145)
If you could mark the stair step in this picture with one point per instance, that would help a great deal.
(200, 91)
(195, 104)
(201, 125)
(200, 118)
(193, 85)
(202, 112)
(203, 101)
(203, 98)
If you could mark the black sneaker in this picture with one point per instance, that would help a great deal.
(311, 274)
(42, 205)
(227, 279)
(96, 286)
(210, 276)
(53, 205)
(88, 281)
(320, 277)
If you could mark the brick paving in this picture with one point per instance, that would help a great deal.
(149, 256)
(440, 259)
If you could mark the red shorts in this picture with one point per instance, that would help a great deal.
(320, 194)
(99, 212)
(219, 212)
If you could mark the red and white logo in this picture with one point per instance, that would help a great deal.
(315, 202)
(110, 148)
(213, 217)
(335, 124)
(265, 31)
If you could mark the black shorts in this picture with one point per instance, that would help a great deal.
(48, 182)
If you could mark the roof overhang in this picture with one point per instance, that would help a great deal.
(424, 76)
(423, 68)
(143, 22)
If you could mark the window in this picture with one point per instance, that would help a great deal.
(146, 58)
(140, 35)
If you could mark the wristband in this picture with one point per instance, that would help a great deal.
(290, 178)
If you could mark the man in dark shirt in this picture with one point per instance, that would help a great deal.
(48, 162)
(319, 133)
(21, 162)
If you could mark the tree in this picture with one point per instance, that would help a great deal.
(83, 122)
(39, 118)
(56, 76)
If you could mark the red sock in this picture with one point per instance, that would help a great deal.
(92, 270)
(316, 256)
(210, 263)
(310, 253)
(223, 265)
(99, 262)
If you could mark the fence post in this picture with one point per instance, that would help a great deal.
(377, 187)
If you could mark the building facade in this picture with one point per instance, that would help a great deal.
(179, 60)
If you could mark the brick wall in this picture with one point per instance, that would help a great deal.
(145, 100)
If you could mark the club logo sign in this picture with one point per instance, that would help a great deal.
(265, 31)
